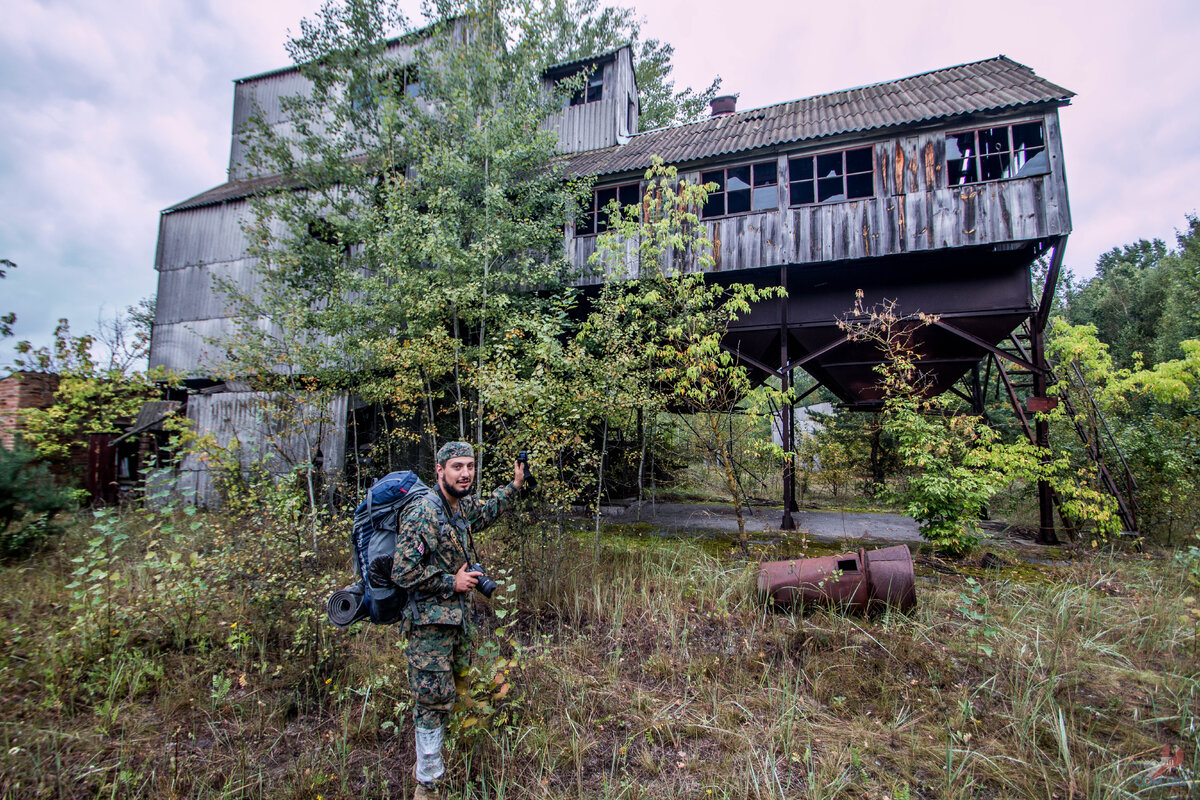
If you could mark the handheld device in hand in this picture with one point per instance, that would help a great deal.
(523, 460)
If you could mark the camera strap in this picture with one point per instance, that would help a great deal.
(463, 534)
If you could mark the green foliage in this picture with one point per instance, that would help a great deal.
(91, 397)
(426, 241)
(564, 30)
(29, 501)
(1144, 299)
(956, 463)
(845, 448)
(9, 319)
(661, 330)
(1151, 413)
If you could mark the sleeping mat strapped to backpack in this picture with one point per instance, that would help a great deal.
(373, 544)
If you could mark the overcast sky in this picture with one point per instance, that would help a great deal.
(111, 112)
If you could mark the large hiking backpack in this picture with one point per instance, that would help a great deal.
(376, 523)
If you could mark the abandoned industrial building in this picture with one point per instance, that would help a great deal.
(938, 190)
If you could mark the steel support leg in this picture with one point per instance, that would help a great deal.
(786, 418)
(1046, 533)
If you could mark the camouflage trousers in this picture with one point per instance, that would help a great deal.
(436, 653)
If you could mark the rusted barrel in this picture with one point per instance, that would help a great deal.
(863, 581)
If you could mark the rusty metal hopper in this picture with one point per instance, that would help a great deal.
(864, 581)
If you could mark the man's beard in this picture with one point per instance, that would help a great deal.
(455, 492)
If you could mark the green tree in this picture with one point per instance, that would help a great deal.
(9, 319)
(94, 395)
(29, 500)
(663, 326)
(1125, 299)
(405, 274)
(1180, 319)
(565, 30)
(1151, 413)
(1144, 298)
(955, 463)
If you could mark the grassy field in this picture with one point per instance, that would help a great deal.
(187, 657)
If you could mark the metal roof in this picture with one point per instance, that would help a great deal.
(994, 84)
(991, 85)
(233, 190)
(567, 67)
(151, 417)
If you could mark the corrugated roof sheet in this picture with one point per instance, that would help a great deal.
(151, 417)
(233, 190)
(565, 67)
(991, 85)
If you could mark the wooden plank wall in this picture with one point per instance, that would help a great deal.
(913, 210)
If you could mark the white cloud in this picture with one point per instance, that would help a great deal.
(1129, 136)
(113, 112)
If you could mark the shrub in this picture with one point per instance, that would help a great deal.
(29, 500)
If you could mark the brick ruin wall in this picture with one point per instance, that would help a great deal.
(23, 390)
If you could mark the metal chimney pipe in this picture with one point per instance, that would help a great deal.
(725, 104)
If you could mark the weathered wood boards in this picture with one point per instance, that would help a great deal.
(912, 210)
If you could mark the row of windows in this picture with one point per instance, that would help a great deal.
(988, 154)
(991, 154)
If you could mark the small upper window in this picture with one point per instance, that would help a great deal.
(593, 217)
(365, 92)
(990, 154)
(750, 187)
(592, 90)
(408, 81)
(831, 177)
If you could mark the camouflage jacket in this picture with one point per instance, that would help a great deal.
(431, 546)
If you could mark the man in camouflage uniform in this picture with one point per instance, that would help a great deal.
(433, 551)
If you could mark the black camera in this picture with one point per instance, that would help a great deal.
(523, 460)
(485, 585)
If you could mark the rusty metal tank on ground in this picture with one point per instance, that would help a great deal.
(868, 580)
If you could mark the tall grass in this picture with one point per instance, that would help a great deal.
(654, 671)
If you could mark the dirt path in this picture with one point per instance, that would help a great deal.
(763, 523)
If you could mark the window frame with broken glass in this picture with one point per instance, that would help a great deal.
(997, 153)
(593, 220)
(592, 90)
(808, 183)
(757, 189)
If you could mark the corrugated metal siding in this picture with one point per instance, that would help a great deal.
(625, 93)
(992, 85)
(589, 126)
(603, 123)
(263, 97)
(205, 235)
(190, 293)
(184, 346)
(264, 94)
(254, 420)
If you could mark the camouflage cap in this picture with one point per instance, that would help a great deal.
(454, 450)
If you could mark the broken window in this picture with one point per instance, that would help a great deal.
(407, 81)
(832, 177)
(749, 187)
(365, 91)
(592, 89)
(594, 217)
(991, 154)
